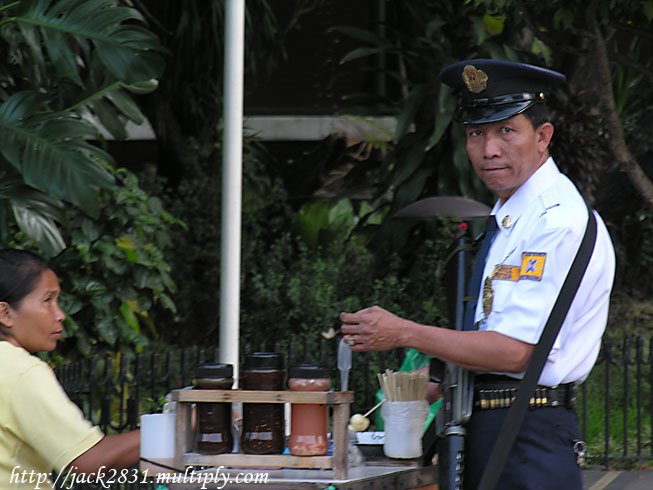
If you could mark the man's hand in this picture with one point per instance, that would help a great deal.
(373, 329)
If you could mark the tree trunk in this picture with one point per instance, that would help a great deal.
(625, 160)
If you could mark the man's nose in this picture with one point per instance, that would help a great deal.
(492, 148)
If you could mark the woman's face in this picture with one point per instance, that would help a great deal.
(37, 323)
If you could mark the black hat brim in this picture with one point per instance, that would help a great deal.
(490, 114)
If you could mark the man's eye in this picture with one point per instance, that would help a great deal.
(475, 132)
(506, 129)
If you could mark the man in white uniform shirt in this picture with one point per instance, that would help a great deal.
(541, 219)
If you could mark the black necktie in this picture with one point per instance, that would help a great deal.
(473, 289)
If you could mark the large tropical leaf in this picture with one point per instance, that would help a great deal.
(35, 213)
(50, 151)
(39, 228)
(81, 51)
(110, 104)
(129, 52)
(446, 108)
(108, 117)
(412, 104)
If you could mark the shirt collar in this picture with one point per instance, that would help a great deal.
(508, 213)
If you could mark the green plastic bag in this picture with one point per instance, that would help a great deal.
(413, 360)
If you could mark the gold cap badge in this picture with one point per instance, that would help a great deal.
(475, 79)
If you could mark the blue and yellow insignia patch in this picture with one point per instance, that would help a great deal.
(532, 266)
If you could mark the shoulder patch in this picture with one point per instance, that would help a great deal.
(532, 266)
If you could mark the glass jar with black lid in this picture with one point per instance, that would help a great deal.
(213, 434)
(263, 423)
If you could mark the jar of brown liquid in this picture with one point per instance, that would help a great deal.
(213, 433)
(263, 423)
(308, 422)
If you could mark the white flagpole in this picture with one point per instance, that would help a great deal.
(230, 257)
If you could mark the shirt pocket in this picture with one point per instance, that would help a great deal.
(502, 290)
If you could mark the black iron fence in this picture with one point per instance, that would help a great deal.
(615, 403)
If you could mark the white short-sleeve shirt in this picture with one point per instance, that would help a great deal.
(540, 229)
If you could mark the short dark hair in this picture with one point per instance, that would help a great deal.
(538, 114)
(19, 273)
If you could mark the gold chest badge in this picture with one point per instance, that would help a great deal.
(499, 273)
(488, 296)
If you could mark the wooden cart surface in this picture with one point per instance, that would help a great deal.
(191, 470)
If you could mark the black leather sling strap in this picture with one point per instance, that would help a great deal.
(515, 416)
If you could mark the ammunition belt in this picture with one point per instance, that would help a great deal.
(489, 395)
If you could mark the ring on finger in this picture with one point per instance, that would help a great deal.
(350, 340)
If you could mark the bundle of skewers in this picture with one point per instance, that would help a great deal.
(403, 386)
(396, 387)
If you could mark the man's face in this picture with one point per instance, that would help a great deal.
(505, 154)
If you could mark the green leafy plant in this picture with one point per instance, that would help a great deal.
(197, 202)
(63, 61)
(320, 222)
(115, 273)
(298, 295)
(427, 156)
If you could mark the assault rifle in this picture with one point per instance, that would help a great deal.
(446, 434)
(456, 383)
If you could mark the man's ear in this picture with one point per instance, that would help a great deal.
(6, 314)
(544, 135)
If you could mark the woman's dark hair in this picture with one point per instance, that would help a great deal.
(19, 272)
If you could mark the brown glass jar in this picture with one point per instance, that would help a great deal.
(213, 434)
(308, 422)
(263, 423)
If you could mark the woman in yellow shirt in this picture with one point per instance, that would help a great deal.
(41, 429)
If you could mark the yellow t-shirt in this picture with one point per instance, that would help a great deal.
(41, 429)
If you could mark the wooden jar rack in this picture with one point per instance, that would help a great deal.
(185, 436)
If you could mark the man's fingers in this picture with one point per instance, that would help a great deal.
(358, 315)
(348, 317)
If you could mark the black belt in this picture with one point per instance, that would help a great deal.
(494, 391)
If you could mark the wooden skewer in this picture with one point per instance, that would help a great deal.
(403, 386)
(374, 408)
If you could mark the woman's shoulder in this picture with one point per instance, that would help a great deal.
(17, 362)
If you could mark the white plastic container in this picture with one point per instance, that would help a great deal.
(404, 427)
(158, 435)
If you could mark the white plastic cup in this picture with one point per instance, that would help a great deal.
(158, 435)
(404, 427)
